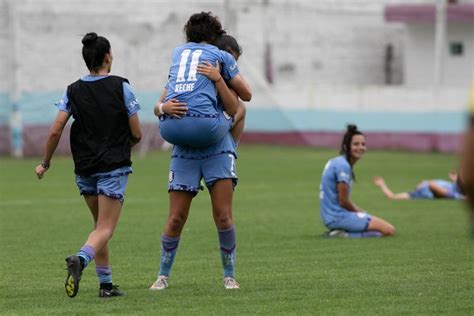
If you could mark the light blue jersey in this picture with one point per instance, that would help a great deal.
(129, 97)
(423, 191)
(334, 216)
(196, 90)
(336, 170)
(204, 124)
(453, 189)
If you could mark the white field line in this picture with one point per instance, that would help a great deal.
(79, 200)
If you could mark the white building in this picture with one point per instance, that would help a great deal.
(456, 55)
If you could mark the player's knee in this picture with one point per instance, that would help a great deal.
(176, 222)
(224, 221)
(106, 233)
(432, 185)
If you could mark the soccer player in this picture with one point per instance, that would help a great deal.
(466, 174)
(428, 189)
(342, 216)
(105, 127)
(202, 124)
(216, 164)
(229, 44)
(466, 179)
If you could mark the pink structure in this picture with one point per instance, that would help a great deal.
(426, 13)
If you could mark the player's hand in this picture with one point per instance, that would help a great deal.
(210, 71)
(40, 171)
(378, 181)
(175, 108)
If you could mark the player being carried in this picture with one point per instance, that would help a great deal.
(215, 164)
(188, 107)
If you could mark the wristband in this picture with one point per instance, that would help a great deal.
(218, 79)
(45, 165)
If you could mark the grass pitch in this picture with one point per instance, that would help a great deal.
(284, 266)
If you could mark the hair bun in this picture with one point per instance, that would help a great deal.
(89, 38)
(351, 127)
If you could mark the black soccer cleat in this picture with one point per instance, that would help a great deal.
(74, 272)
(112, 292)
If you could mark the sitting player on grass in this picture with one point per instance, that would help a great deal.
(338, 212)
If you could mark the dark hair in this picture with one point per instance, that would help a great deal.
(203, 27)
(94, 50)
(346, 143)
(229, 44)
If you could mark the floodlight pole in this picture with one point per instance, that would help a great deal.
(267, 48)
(440, 43)
(439, 54)
(16, 121)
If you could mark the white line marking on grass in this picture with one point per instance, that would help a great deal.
(36, 201)
(26, 202)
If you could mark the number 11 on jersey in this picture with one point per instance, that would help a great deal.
(183, 64)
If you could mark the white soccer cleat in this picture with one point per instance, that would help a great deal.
(230, 283)
(160, 284)
(337, 233)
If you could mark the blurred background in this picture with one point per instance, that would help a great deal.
(399, 69)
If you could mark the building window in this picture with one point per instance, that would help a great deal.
(456, 48)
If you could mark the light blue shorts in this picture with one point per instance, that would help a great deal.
(195, 131)
(422, 192)
(186, 174)
(351, 222)
(111, 184)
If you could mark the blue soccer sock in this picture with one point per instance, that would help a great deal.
(227, 243)
(366, 234)
(169, 246)
(104, 274)
(86, 254)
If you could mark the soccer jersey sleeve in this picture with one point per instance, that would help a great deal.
(63, 104)
(343, 173)
(455, 193)
(229, 68)
(131, 102)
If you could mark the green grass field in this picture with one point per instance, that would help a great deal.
(284, 266)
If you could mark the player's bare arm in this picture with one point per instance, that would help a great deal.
(240, 85)
(344, 199)
(228, 97)
(54, 136)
